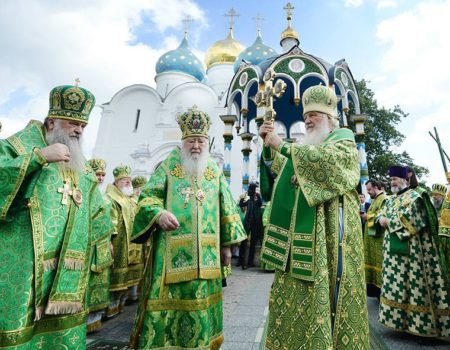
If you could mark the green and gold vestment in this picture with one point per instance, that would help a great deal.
(98, 286)
(444, 235)
(314, 240)
(414, 294)
(46, 245)
(373, 243)
(128, 257)
(183, 305)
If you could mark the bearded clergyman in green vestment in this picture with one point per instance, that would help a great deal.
(188, 213)
(313, 237)
(51, 222)
(415, 292)
(373, 239)
(126, 272)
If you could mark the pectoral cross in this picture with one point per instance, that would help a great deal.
(187, 192)
(265, 98)
(66, 191)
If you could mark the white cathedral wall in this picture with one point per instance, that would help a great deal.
(118, 137)
(219, 77)
(166, 82)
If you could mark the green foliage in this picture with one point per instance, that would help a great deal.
(382, 137)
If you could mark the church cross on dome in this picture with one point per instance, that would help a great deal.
(289, 9)
(186, 23)
(232, 14)
(258, 21)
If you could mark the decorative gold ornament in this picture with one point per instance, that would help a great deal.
(178, 171)
(209, 174)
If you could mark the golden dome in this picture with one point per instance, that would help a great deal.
(289, 32)
(223, 51)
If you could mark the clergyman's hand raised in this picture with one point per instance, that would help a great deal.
(56, 153)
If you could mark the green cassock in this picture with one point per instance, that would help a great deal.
(314, 240)
(414, 295)
(46, 245)
(182, 307)
(373, 243)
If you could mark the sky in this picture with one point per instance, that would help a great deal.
(401, 47)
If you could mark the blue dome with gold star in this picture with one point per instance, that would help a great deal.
(255, 53)
(181, 60)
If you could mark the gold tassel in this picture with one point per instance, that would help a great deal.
(63, 307)
(50, 264)
(73, 264)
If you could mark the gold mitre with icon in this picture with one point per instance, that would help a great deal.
(320, 98)
(122, 171)
(439, 189)
(71, 102)
(139, 181)
(193, 123)
(98, 165)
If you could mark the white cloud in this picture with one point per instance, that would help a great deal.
(353, 3)
(48, 43)
(385, 4)
(414, 76)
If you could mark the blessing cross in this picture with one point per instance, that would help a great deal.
(187, 192)
(66, 191)
(265, 98)
(77, 81)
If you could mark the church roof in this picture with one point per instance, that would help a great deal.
(255, 54)
(224, 51)
(181, 60)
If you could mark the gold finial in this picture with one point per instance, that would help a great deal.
(186, 22)
(289, 32)
(258, 21)
(232, 13)
(77, 81)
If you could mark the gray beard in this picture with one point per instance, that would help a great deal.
(318, 134)
(397, 189)
(59, 135)
(194, 165)
(127, 191)
(437, 203)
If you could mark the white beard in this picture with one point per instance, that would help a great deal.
(318, 134)
(59, 135)
(127, 191)
(194, 165)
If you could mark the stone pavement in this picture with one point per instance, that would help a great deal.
(245, 310)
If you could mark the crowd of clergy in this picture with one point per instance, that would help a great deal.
(72, 256)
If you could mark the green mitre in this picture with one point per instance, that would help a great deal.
(139, 181)
(194, 123)
(98, 165)
(121, 172)
(71, 102)
(320, 98)
(439, 189)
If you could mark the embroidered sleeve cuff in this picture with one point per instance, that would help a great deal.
(40, 158)
(285, 149)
